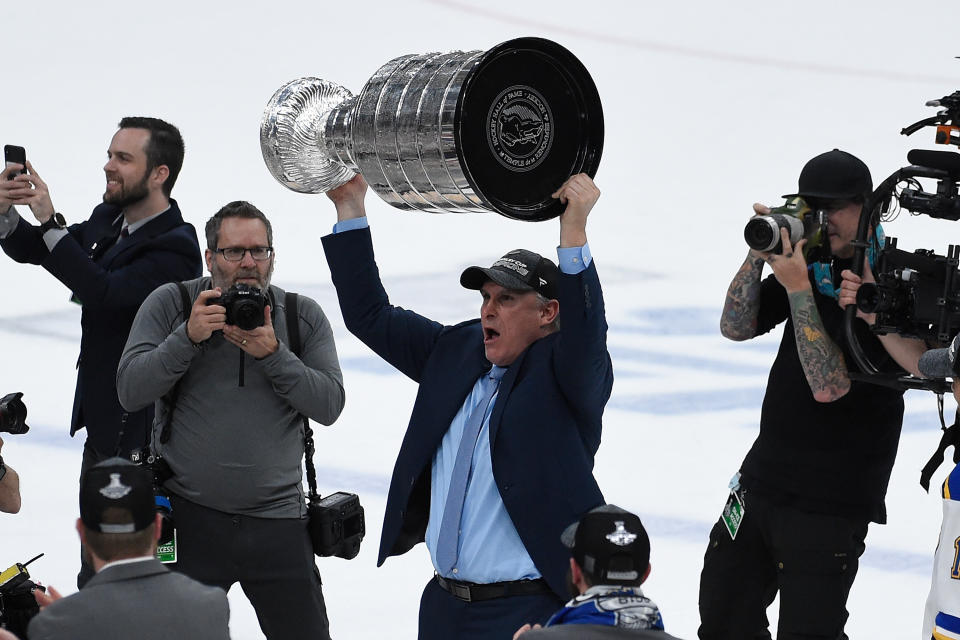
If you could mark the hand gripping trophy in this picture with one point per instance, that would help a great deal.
(465, 131)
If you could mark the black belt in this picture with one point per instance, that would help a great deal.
(471, 592)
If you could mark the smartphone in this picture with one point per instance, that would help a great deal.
(15, 154)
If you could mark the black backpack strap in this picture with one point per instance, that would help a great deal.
(185, 306)
(950, 437)
(293, 336)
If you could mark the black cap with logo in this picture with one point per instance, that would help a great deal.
(610, 545)
(117, 484)
(518, 270)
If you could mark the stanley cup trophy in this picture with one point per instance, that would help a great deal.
(499, 130)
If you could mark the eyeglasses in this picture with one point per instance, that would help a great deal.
(235, 254)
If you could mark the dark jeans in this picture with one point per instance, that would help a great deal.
(272, 559)
(444, 617)
(811, 559)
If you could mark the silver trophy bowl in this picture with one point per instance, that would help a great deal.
(465, 131)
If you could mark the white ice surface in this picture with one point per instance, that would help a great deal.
(708, 107)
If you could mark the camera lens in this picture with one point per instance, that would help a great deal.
(247, 314)
(762, 233)
(868, 298)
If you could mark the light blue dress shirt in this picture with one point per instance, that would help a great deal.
(489, 549)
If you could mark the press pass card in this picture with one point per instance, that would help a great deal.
(733, 513)
(167, 550)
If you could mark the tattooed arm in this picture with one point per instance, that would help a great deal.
(820, 357)
(739, 320)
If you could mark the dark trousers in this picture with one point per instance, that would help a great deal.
(272, 559)
(811, 559)
(444, 617)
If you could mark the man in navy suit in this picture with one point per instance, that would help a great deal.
(131, 244)
(498, 455)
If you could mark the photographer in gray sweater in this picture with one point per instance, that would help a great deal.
(234, 441)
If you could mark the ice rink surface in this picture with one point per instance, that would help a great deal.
(708, 108)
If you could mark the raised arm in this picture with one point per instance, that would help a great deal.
(821, 358)
(905, 351)
(9, 489)
(742, 305)
(158, 351)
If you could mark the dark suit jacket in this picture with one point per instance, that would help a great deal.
(546, 423)
(140, 600)
(110, 281)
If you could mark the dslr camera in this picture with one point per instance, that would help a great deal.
(244, 305)
(13, 414)
(336, 524)
(762, 233)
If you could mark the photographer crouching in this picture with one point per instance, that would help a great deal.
(798, 510)
(229, 427)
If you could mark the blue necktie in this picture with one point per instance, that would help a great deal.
(449, 535)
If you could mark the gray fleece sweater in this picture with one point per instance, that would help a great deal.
(235, 449)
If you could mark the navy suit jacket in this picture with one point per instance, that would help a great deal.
(110, 281)
(546, 422)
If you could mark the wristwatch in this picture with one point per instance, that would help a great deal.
(3, 469)
(56, 221)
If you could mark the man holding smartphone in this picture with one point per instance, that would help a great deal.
(132, 243)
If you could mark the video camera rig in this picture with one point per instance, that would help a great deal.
(917, 295)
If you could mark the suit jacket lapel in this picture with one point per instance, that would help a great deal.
(162, 223)
(506, 386)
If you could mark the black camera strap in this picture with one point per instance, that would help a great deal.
(293, 342)
(293, 339)
(950, 437)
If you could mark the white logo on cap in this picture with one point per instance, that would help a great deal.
(514, 265)
(542, 282)
(620, 536)
(116, 489)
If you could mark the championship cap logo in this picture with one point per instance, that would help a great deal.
(620, 536)
(116, 489)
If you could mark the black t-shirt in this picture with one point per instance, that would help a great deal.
(824, 457)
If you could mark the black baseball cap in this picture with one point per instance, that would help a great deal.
(834, 175)
(610, 545)
(941, 363)
(518, 270)
(117, 483)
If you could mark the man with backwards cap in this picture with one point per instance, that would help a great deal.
(498, 455)
(797, 514)
(132, 595)
(610, 559)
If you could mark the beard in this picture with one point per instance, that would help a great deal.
(126, 197)
(220, 279)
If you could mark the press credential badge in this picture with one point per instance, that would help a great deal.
(733, 512)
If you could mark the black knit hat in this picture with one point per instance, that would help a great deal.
(610, 545)
(117, 483)
(834, 175)
(518, 270)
